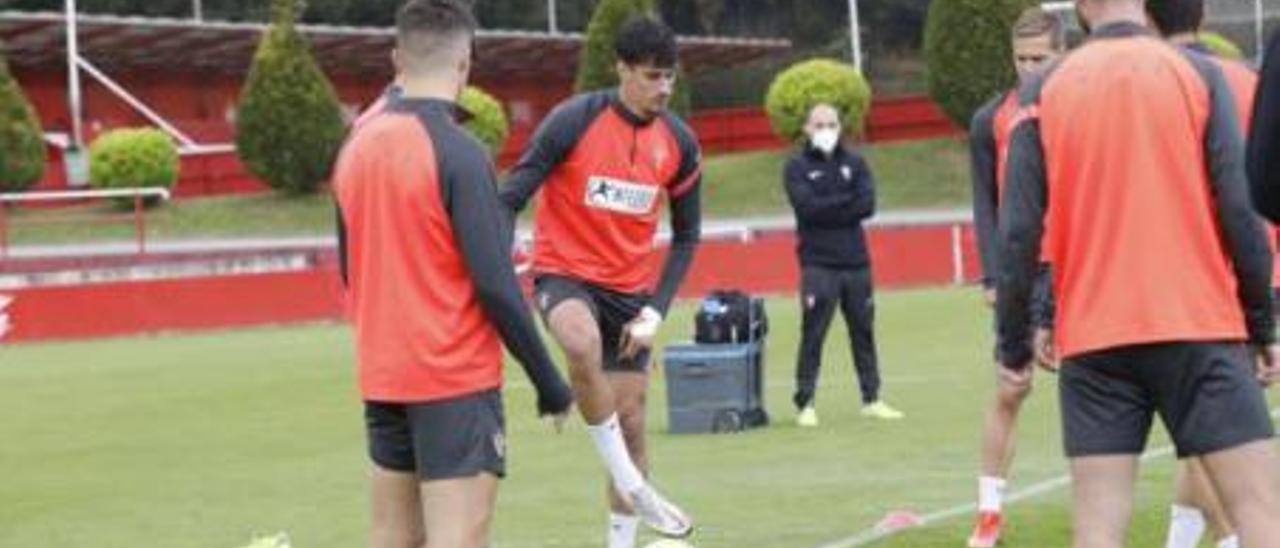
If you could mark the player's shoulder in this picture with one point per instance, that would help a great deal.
(1211, 69)
(986, 113)
(382, 129)
(455, 144)
(441, 123)
(580, 108)
(682, 133)
(1237, 70)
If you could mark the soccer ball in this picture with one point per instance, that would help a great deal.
(668, 543)
(279, 540)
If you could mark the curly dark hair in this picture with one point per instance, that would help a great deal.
(1176, 16)
(644, 39)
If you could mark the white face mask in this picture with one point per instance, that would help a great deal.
(826, 140)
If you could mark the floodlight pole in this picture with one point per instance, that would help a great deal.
(553, 26)
(197, 10)
(73, 76)
(855, 38)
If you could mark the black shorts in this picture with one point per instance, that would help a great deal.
(612, 311)
(454, 438)
(1205, 393)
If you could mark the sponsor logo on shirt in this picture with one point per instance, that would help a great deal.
(847, 172)
(620, 196)
(815, 175)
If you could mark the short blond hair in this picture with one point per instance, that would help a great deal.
(1035, 22)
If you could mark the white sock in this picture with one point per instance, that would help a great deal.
(1186, 525)
(990, 493)
(1232, 541)
(622, 530)
(613, 451)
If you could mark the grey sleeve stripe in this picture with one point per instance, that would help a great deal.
(1243, 233)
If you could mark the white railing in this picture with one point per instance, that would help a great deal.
(137, 194)
(955, 221)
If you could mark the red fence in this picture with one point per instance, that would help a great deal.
(891, 119)
(904, 256)
(906, 118)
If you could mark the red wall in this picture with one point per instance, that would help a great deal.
(203, 107)
(903, 257)
(124, 308)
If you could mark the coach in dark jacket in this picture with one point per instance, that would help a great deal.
(831, 191)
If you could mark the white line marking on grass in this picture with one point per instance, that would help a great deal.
(877, 533)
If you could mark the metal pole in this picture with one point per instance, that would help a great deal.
(73, 76)
(197, 10)
(137, 104)
(855, 39)
(552, 25)
(4, 231)
(1257, 30)
(138, 227)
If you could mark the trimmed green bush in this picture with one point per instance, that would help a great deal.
(968, 52)
(133, 158)
(22, 152)
(289, 124)
(488, 121)
(596, 63)
(795, 91)
(1221, 46)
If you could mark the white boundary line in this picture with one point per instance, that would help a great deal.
(874, 534)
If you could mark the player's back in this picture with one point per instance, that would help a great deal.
(1132, 230)
(420, 332)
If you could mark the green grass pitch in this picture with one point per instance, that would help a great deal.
(207, 440)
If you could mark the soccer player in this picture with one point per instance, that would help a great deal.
(1131, 150)
(1179, 22)
(1037, 39)
(425, 256)
(604, 161)
(832, 192)
(1264, 136)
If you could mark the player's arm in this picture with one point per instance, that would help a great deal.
(341, 226)
(479, 225)
(1243, 233)
(685, 195)
(1021, 228)
(982, 163)
(554, 139)
(813, 207)
(686, 232)
(1264, 137)
(685, 201)
(1042, 303)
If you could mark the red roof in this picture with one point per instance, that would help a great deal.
(38, 39)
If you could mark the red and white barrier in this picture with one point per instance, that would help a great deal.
(907, 251)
